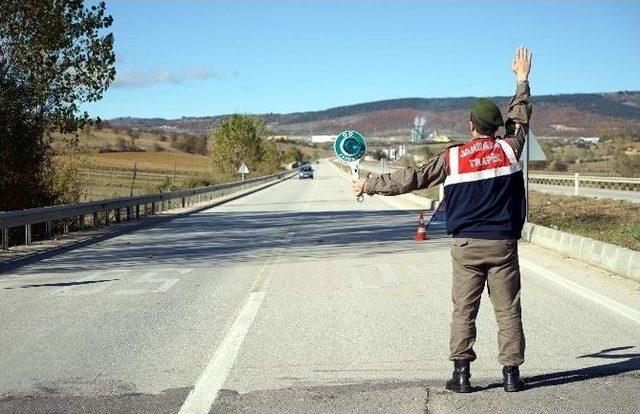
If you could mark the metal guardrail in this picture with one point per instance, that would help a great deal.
(110, 210)
(576, 180)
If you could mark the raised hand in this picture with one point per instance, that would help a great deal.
(521, 64)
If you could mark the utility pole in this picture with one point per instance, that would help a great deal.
(133, 179)
(175, 166)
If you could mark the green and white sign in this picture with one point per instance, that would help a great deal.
(350, 146)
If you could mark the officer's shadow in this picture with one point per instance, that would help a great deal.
(626, 362)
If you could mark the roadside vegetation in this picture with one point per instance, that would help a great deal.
(616, 154)
(103, 160)
(64, 58)
(610, 221)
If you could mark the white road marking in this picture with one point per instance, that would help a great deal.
(205, 392)
(387, 274)
(201, 398)
(412, 270)
(356, 279)
(150, 277)
(610, 304)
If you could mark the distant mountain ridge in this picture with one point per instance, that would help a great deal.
(583, 114)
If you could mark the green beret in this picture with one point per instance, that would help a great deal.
(486, 113)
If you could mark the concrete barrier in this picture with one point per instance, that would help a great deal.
(619, 260)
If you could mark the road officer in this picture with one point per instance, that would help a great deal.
(485, 196)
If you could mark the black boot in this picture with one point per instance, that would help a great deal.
(511, 379)
(459, 381)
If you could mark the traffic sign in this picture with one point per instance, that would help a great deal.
(350, 146)
(242, 170)
(531, 152)
(534, 149)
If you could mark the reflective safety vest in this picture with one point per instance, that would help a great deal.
(484, 190)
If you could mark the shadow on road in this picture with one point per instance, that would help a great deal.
(628, 362)
(227, 238)
(62, 284)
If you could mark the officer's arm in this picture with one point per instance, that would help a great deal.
(519, 114)
(517, 123)
(408, 179)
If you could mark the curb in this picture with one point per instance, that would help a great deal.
(619, 260)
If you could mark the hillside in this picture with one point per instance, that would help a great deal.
(555, 115)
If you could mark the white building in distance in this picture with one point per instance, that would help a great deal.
(319, 139)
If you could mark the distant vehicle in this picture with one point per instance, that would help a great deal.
(305, 171)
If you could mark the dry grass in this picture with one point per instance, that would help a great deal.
(151, 161)
(109, 175)
(106, 140)
(610, 221)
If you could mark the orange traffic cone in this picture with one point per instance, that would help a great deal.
(421, 234)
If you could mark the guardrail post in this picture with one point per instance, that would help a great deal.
(137, 211)
(183, 202)
(106, 218)
(5, 239)
(128, 213)
(117, 213)
(65, 227)
(576, 183)
(153, 208)
(27, 234)
(81, 222)
(47, 230)
(96, 223)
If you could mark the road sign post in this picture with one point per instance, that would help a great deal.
(242, 170)
(532, 152)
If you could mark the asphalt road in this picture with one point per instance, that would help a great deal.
(297, 299)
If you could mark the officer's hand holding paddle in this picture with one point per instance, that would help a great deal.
(358, 186)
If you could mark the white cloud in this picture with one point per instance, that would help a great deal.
(143, 79)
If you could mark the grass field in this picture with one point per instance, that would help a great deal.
(110, 175)
(108, 158)
(610, 221)
(160, 162)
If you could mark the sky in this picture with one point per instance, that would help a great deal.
(200, 58)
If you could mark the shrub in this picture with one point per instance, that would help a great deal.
(557, 165)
